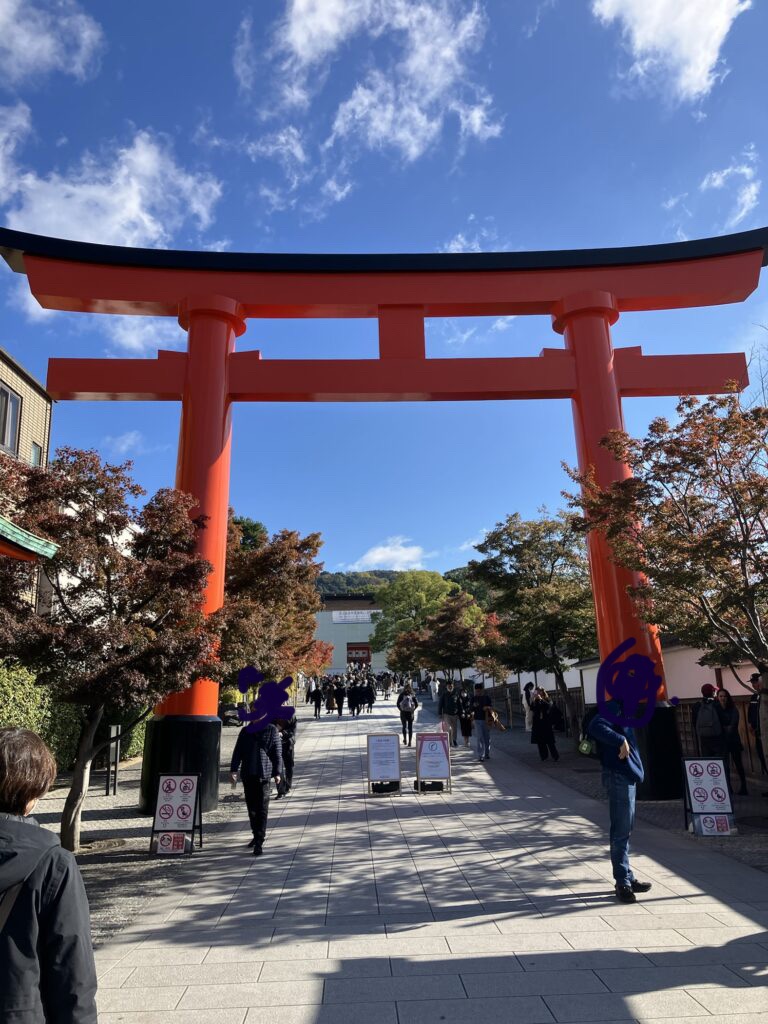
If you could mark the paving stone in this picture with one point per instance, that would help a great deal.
(738, 953)
(234, 1015)
(686, 976)
(110, 1000)
(395, 989)
(523, 1010)
(535, 983)
(370, 1013)
(268, 993)
(513, 943)
(609, 1006)
(360, 968)
(742, 1000)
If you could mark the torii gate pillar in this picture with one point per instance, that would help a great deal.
(185, 732)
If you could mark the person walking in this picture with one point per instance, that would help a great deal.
(339, 693)
(464, 702)
(370, 694)
(622, 770)
(47, 971)
(480, 703)
(287, 729)
(258, 755)
(542, 729)
(317, 699)
(330, 698)
(527, 703)
(406, 705)
(448, 710)
(732, 746)
(708, 724)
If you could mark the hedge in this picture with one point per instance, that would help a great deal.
(24, 704)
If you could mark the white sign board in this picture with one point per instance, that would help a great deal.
(384, 757)
(433, 756)
(707, 786)
(351, 616)
(712, 824)
(176, 801)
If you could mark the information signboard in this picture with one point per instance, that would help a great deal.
(384, 762)
(433, 758)
(178, 813)
(707, 797)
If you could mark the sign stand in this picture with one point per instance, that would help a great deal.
(384, 773)
(433, 762)
(707, 806)
(178, 814)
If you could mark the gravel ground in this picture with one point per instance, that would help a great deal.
(121, 879)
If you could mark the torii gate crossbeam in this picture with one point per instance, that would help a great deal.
(214, 294)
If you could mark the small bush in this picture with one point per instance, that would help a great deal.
(25, 704)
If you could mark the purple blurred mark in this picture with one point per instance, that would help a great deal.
(632, 683)
(270, 701)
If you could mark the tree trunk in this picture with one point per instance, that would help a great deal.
(570, 709)
(81, 776)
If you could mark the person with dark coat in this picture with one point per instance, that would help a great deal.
(753, 718)
(287, 729)
(542, 731)
(707, 720)
(370, 693)
(622, 770)
(448, 709)
(330, 699)
(481, 707)
(339, 693)
(464, 702)
(407, 703)
(258, 754)
(316, 697)
(731, 739)
(47, 971)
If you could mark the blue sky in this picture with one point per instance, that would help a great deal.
(377, 126)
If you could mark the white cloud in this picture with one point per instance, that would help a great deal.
(137, 195)
(672, 202)
(37, 38)
(741, 174)
(402, 104)
(243, 62)
(471, 544)
(15, 126)
(394, 553)
(674, 44)
(478, 236)
(132, 442)
(142, 335)
(542, 7)
(502, 323)
(286, 146)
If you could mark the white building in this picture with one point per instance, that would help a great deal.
(347, 621)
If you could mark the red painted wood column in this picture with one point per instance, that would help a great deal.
(184, 736)
(585, 320)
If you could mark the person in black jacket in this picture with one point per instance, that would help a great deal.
(259, 757)
(287, 729)
(732, 745)
(406, 705)
(47, 971)
(542, 732)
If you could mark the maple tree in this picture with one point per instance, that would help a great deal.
(125, 628)
(452, 637)
(693, 519)
(270, 601)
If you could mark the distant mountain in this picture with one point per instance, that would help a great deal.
(331, 584)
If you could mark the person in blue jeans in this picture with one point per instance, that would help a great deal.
(622, 770)
(480, 703)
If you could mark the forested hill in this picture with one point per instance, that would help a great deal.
(331, 584)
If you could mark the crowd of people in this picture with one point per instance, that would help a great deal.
(357, 688)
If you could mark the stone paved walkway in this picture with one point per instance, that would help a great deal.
(489, 905)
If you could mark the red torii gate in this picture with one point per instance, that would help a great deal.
(214, 294)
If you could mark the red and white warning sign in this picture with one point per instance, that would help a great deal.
(707, 788)
(176, 796)
(171, 842)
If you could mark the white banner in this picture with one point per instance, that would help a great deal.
(175, 811)
(433, 756)
(707, 786)
(384, 757)
(350, 616)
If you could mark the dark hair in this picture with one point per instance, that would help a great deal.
(729, 699)
(27, 769)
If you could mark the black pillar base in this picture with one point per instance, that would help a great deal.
(659, 746)
(175, 744)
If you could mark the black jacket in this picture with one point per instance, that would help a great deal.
(46, 959)
(260, 753)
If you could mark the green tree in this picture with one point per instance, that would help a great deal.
(538, 575)
(464, 579)
(125, 629)
(693, 519)
(406, 604)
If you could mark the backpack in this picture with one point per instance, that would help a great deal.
(708, 722)
(407, 703)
